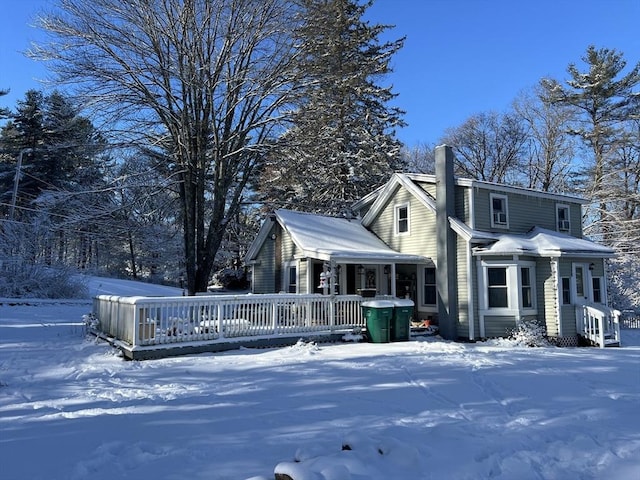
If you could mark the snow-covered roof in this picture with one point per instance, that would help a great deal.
(341, 239)
(541, 242)
(469, 234)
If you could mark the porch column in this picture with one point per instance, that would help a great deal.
(393, 280)
(558, 294)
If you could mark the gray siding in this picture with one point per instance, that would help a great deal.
(524, 212)
(263, 270)
(496, 326)
(303, 277)
(462, 204)
(463, 288)
(547, 295)
(421, 239)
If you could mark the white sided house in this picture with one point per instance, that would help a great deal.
(477, 258)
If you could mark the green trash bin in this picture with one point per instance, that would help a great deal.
(378, 315)
(401, 321)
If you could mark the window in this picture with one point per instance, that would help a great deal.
(370, 278)
(566, 291)
(293, 280)
(562, 217)
(430, 294)
(579, 274)
(597, 289)
(402, 219)
(509, 286)
(497, 287)
(499, 217)
(525, 287)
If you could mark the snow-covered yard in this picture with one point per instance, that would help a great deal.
(71, 408)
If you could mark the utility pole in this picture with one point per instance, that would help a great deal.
(16, 181)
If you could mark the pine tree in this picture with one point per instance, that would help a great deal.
(341, 143)
(50, 167)
(608, 105)
(4, 112)
(606, 100)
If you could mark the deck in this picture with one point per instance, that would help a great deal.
(598, 325)
(156, 327)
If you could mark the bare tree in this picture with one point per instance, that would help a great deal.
(200, 81)
(420, 158)
(549, 151)
(489, 147)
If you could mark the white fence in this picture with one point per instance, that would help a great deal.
(145, 321)
(630, 321)
(598, 324)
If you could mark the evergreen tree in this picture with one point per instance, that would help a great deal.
(57, 146)
(50, 167)
(4, 112)
(608, 104)
(341, 143)
(607, 101)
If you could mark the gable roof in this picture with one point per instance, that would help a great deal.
(540, 242)
(412, 181)
(334, 238)
(388, 191)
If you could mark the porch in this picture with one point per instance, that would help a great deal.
(598, 325)
(154, 327)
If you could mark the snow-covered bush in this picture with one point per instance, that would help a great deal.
(22, 279)
(231, 279)
(529, 333)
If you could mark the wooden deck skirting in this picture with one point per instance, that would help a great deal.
(156, 327)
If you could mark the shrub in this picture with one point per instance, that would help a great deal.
(529, 333)
(25, 280)
(231, 279)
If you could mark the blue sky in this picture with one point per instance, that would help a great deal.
(461, 57)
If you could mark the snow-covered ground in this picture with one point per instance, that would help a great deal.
(71, 408)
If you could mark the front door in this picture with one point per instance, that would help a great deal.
(581, 282)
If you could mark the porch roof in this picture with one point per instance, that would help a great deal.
(540, 242)
(339, 239)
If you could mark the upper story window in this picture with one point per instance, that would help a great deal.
(562, 217)
(402, 219)
(499, 211)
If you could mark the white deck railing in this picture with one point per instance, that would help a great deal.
(599, 324)
(142, 321)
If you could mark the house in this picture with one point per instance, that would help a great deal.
(476, 257)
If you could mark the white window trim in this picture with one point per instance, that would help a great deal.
(568, 220)
(396, 219)
(422, 285)
(514, 288)
(602, 296)
(287, 268)
(493, 196)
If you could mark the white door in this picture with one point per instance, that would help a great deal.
(582, 293)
